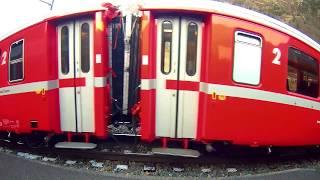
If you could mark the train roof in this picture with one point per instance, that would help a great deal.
(52, 16)
(230, 10)
(193, 5)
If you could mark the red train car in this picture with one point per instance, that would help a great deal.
(53, 76)
(209, 72)
(215, 72)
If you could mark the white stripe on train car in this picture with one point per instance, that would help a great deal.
(29, 87)
(255, 94)
(100, 82)
(43, 85)
(148, 84)
(246, 93)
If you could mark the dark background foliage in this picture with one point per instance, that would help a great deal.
(304, 15)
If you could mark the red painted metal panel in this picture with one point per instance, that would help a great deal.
(148, 48)
(182, 85)
(147, 115)
(24, 108)
(39, 65)
(73, 82)
(100, 46)
(253, 122)
(206, 56)
(101, 94)
(148, 45)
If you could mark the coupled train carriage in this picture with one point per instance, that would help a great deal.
(191, 71)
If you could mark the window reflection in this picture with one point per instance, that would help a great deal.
(65, 50)
(85, 48)
(303, 72)
(192, 42)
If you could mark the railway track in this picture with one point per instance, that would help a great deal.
(233, 161)
(231, 156)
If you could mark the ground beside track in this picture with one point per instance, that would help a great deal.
(15, 167)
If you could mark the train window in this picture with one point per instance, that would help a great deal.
(16, 62)
(166, 47)
(247, 58)
(65, 50)
(303, 73)
(85, 47)
(192, 42)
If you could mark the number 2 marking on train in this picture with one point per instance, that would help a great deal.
(277, 52)
(3, 58)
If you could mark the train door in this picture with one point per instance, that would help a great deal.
(178, 74)
(76, 78)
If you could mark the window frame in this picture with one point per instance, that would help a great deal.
(9, 62)
(254, 35)
(287, 71)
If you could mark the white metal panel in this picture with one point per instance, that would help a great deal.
(166, 99)
(37, 87)
(100, 82)
(148, 84)
(168, 122)
(66, 95)
(188, 100)
(84, 94)
(126, 65)
(77, 103)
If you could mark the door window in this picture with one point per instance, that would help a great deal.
(85, 47)
(65, 50)
(192, 45)
(166, 47)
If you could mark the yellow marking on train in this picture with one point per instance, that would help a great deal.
(222, 97)
(215, 96)
(41, 91)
